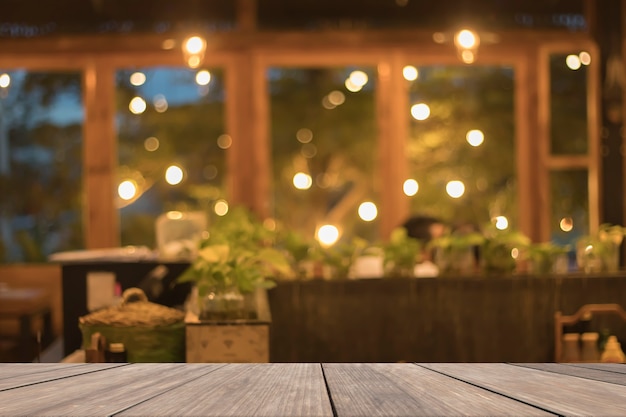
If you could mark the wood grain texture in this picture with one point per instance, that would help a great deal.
(99, 393)
(561, 394)
(589, 373)
(10, 370)
(246, 390)
(408, 390)
(19, 375)
(612, 367)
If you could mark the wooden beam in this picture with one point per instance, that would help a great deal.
(101, 218)
(247, 15)
(392, 167)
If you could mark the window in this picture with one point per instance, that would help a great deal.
(461, 144)
(323, 135)
(41, 120)
(171, 146)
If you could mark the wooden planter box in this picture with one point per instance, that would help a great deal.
(233, 341)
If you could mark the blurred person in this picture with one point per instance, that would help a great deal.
(425, 228)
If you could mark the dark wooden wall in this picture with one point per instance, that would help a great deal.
(497, 319)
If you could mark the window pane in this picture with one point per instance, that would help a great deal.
(41, 122)
(323, 146)
(568, 103)
(462, 140)
(172, 145)
(570, 205)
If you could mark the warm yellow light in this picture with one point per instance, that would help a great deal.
(420, 111)
(302, 181)
(308, 150)
(174, 175)
(193, 51)
(5, 80)
(410, 73)
(328, 235)
(573, 62)
(336, 98)
(137, 78)
(502, 223)
(137, 105)
(475, 137)
(151, 144)
(221, 207)
(466, 39)
(410, 187)
(358, 78)
(224, 141)
(468, 56)
(455, 189)
(174, 215)
(168, 44)
(368, 211)
(304, 135)
(203, 77)
(160, 103)
(353, 88)
(195, 45)
(566, 224)
(127, 190)
(585, 58)
(327, 104)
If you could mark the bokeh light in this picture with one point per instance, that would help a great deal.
(368, 211)
(410, 187)
(455, 189)
(174, 175)
(328, 235)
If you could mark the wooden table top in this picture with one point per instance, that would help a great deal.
(18, 301)
(312, 389)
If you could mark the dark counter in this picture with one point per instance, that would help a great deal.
(466, 319)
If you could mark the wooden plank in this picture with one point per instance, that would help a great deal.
(100, 393)
(33, 374)
(581, 372)
(562, 394)
(612, 367)
(246, 390)
(10, 370)
(406, 389)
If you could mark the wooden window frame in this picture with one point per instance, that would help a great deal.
(245, 55)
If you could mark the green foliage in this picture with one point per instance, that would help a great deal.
(600, 251)
(497, 248)
(543, 255)
(237, 254)
(401, 253)
(342, 255)
(453, 252)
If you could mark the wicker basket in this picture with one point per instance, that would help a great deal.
(150, 332)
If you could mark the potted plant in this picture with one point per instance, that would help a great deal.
(600, 252)
(401, 253)
(501, 249)
(235, 260)
(547, 258)
(454, 252)
(341, 256)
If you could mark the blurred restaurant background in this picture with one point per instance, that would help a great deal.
(334, 119)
